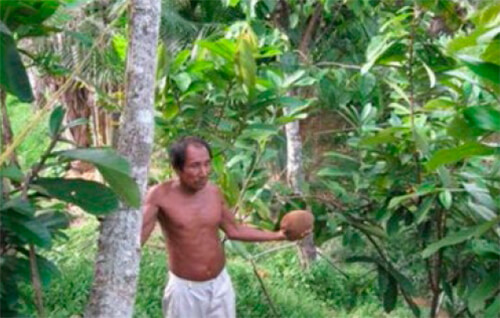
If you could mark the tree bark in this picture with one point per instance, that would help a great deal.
(118, 256)
(295, 174)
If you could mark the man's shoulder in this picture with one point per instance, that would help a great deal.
(212, 187)
(161, 188)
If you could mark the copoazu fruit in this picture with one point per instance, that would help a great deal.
(296, 224)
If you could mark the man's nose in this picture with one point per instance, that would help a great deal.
(204, 171)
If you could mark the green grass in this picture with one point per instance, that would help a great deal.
(36, 141)
(318, 292)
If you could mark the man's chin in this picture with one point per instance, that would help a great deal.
(200, 185)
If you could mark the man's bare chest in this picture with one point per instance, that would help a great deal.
(179, 213)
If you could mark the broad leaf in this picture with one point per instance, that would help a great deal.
(493, 309)
(447, 156)
(390, 295)
(55, 120)
(92, 197)
(13, 76)
(484, 117)
(459, 237)
(12, 172)
(484, 70)
(446, 199)
(26, 228)
(483, 291)
(113, 167)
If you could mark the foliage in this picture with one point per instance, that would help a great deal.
(33, 214)
(320, 292)
(418, 166)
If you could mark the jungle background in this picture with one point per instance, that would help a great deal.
(380, 117)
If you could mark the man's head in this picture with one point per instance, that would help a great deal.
(191, 159)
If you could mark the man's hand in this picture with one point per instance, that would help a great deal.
(301, 236)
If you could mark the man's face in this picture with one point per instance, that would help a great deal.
(197, 166)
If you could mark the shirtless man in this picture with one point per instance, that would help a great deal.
(191, 211)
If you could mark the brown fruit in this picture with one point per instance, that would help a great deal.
(296, 224)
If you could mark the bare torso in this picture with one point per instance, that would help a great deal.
(190, 223)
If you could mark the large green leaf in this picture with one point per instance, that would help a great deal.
(26, 228)
(483, 291)
(459, 237)
(390, 295)
(460, 129)
(13, 76)
(91, 196)
(483, 117)
(54, 220)
(470, 149)
(124, 185)
(56, 119)
(485, 70)
(113, 167)
(12, 172)
(493, 309)
(246, 66)
(224, 48)
(21, 13)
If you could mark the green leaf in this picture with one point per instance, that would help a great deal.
(334, 172)
(19, 205)
(484, 70)
(440, 103)
(246, 66)
(493, 310)
(183, 80)
(77, 122)
(113, 167)
(390, 295)
(459, 237)
(179, 59)
(483, 291)
(124, 185)
(53, 220)
(396, 201)
(26, 227)
(484, 248)
(12, 172)
(367, 83)
(424, 209)
(55, 121)
(120, 45)
(92, 197)
(446, 156)
(171, 110)
(446, 199)
(382, 137)
(491, 53)
(484, 117)
(378, 45)
(13, 76)
(224, 48)
(460, 129)
(27, 12)
(430, 73)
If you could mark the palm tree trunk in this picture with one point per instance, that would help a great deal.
(118, 256)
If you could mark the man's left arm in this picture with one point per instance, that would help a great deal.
(243, 232)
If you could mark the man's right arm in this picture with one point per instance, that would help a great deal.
(149, 216)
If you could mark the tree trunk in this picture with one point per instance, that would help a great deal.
(295, 178)
(118, 255)
(295, 175)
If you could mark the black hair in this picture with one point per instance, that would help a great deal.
(177, 151)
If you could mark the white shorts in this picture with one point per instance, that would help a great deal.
(213, 298)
